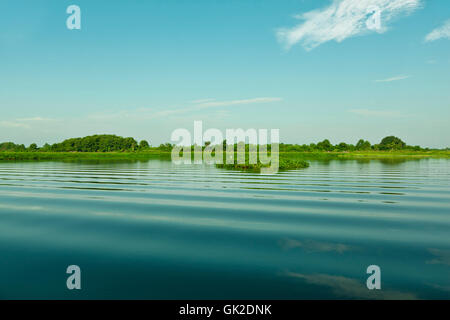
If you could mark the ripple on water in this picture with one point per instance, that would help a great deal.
(299, 234)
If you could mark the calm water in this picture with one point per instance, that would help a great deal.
(154, 230)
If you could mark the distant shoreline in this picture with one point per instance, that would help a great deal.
(147, 155)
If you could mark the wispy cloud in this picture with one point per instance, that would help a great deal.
(314, 246)
(211, 103)
(442, 32)
(140, 113)
(36, 119)
(441, 256)
(14, 124)
(24, 123)
(397, 78)
(440, 287)
(350, 288)
(202, 101)
(341, 20)
(151, 113)
(376, 113)
(237, 102)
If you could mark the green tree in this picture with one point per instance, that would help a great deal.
(392, 143)
(96, 143)
(10, 146)
(325, 145)
(167, 147)
(144, 145)
(342, 147)
(363, 145)
(33, 147)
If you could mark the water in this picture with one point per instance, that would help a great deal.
(153, 230)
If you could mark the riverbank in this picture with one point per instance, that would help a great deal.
(143, 155)
(71, 156)
(369, 155)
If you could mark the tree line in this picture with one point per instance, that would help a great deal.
(95, 143)
(390, 143)
(113, 143)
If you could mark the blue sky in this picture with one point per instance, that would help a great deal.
(145, 68)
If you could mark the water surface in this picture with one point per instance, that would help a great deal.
(154, 230)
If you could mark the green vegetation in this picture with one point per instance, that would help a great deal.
(367, 155)
(390, 143)
(113, 143)
(95, 143)
(284, 164)
(12, 147)
(74, 156)
(292, 156)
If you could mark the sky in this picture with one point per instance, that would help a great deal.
(313, 69)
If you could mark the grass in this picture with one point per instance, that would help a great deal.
(355, 155)
(71, 156)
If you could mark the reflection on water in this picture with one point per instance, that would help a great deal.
(150, 229)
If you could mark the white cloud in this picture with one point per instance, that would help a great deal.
(13, 124)
(150, 113)
(237, 102)
(212, 103)
(202, 101)
(439, 33)
(375, 113)
(35, 119)
(24, 123)
(397, 78)
(342, 19)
